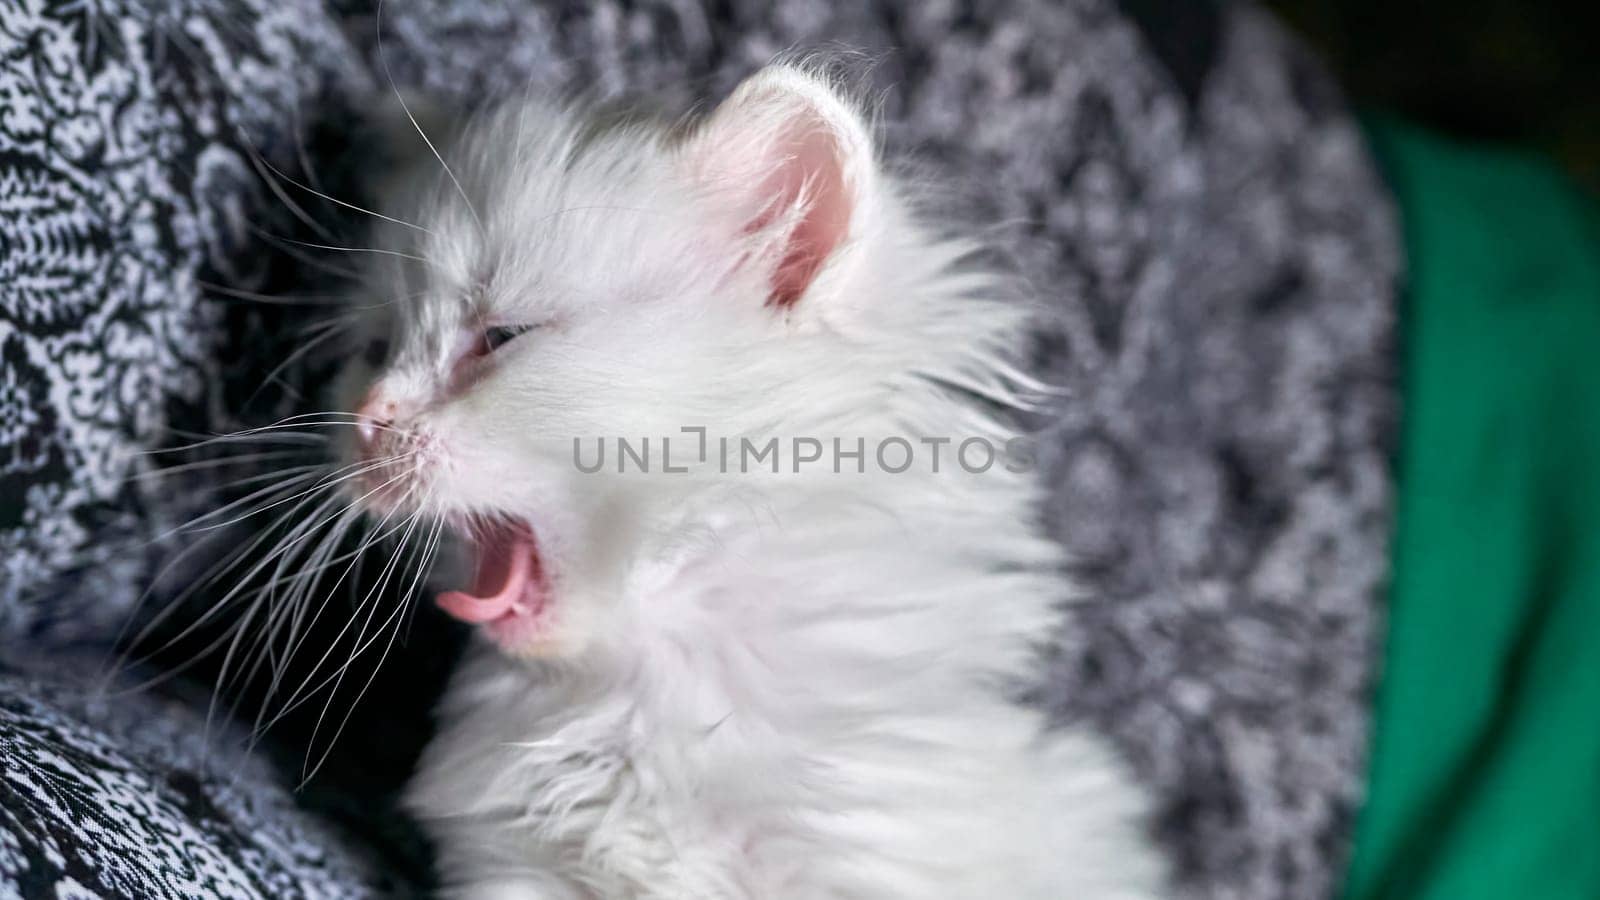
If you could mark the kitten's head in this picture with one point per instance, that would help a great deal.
(573, 278)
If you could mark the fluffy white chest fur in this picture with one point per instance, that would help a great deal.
(815, 712)
(790, 678)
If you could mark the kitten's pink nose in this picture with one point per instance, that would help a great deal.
(375, 415)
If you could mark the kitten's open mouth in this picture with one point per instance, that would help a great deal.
(510, 591)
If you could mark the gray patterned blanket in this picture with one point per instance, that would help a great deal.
(1177, 181)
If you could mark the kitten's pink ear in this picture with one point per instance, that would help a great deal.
(794, 165)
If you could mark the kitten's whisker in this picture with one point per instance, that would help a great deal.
(275, 299)
(293, 477)
(272, 180)
(311, 415)
(377, 534)
(383, 58)
(288, 246)
(300, 598)
(216, 571)
(305, 347)
(399, 254)
(426, 560)
(322, 484)
(289, 483)
(263, 602)
(241, 459)
(348, 419)
(288, 609)
(377, 591)
(364, 643)
(352, 206)
(287, 431)
(298, 124)
(118, 662)
(306, 438)
(220, 568)
(338, 321)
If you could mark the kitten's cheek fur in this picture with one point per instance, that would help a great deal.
(585, 606)
(568, 630)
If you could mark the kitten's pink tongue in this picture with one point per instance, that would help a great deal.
(503, 582)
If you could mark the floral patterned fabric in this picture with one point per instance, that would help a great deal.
(127, 183)
(125, 796)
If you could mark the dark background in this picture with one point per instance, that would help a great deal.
(1526, 73)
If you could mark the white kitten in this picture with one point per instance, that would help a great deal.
(721, 681)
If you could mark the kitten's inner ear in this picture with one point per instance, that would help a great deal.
(795, 160)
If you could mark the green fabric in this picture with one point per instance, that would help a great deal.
(1485, 779)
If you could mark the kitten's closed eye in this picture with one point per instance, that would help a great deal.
(499, 335)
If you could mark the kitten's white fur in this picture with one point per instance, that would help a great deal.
(777, 686)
